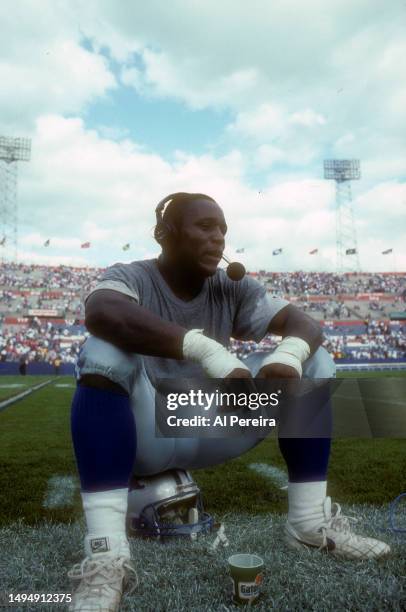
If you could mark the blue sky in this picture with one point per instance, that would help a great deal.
(158, 124)
(127, 102)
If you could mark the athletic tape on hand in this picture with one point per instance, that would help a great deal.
(216, 361)
(291, 352)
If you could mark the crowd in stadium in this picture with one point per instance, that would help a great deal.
(22, 276)
(384, 343)
(328, 283)
(41, 311)
(41, 341)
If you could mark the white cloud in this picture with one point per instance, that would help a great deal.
(380, 215)
(35, 240)
(269, 121)
(131, 77)
(267, 155)
(43, 67)
(265, 121)
(164, 78)
(299, 77)
(81, 186)
(301, 81)
(275, 136)
(307, 118)
(343, 142)
(46, 259)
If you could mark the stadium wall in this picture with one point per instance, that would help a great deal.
(36, 368)
(39, 368)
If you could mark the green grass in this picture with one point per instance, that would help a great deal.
(39, 544)
(35, 445)
(188, 577)
(13, 385)
(361, 472)
(373, 374)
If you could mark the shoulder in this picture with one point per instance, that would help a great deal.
(132, 269)
(128, 278)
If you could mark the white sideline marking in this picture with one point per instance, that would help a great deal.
(278, 476)
(65, 386)
(20, 396)
(13, 386)
(61, 491)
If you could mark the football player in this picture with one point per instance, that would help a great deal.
(173, 317)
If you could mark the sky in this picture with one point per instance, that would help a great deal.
(126, 102)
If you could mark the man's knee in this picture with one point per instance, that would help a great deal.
(320, 365)
(102, 359)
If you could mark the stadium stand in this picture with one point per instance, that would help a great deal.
(41, 312)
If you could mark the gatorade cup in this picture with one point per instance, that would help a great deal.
(246, 574)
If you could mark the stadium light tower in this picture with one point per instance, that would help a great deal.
(343, 171)
(12, 150)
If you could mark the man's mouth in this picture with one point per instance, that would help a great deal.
(215, 254)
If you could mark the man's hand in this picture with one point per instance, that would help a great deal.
(290, 321)
(214, 358)
(286, 360)
(278, 370)
(239, 373)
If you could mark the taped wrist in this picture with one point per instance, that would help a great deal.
(292, 352)
(215, 360)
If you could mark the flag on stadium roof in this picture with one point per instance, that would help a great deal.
(47, 242)
(85, 245)
(126, 247)
(277, 252)
(351, 251)
(387, 251)
(240, 250)
(3, 241)
(313, 252)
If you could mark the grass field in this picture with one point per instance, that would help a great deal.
(12, 385)
(41, 524)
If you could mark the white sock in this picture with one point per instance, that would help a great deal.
(306, 504)
(105, 513)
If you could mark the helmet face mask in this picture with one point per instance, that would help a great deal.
(176, 513)
(167, 505)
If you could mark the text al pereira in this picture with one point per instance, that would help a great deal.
(220, 421)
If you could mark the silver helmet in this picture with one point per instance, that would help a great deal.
(165, 505)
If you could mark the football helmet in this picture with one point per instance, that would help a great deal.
(166, 505)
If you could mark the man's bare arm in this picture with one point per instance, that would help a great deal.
(118, 319)
(290, 321)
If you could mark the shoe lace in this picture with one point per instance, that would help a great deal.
(337, 522)
(97, 574)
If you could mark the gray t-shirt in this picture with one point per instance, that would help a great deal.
(223, 309)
